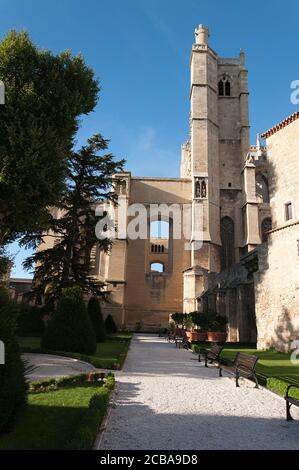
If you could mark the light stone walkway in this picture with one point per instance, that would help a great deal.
(166, 400)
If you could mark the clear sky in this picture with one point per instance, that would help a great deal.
(140, 51)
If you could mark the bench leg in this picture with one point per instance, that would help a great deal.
(206, 361)
(237, 380)
(288, 407)
(220, 372)
(256, 382)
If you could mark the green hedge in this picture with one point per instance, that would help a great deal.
(13, 388)
(30, 321)
(70, 328)
(96, 318)
(55, 384)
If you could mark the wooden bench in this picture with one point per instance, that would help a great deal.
(212, 356)
(244, 366)
(291, 401)
(181, 341)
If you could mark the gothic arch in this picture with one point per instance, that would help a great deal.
(224, 86)
(227, 234)
(262, 187)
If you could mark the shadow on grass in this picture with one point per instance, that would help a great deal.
(49, 420)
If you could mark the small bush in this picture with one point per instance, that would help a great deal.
(95, 315)
(13, 389)
(30, 321)
(70, 328)
(110, 324)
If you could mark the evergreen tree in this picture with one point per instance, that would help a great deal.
(110, 324)
(45, 95)
(70, 328)
(13, 388)
(88, 181)
(95, 315)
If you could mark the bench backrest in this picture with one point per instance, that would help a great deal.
(216, 349)
(246, 360)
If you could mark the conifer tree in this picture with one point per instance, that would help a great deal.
(88, 181)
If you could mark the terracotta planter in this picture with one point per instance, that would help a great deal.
(201, 336)
(216, 337)
(194, 336)
(189, 335)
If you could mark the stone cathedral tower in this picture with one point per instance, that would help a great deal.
(214, 159)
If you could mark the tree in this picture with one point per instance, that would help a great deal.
(13, 389)
(88, 181)
(95, 315)
(70, 328)
(110, 324)
(44, 96)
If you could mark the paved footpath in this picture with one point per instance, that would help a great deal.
(46, 366)
(166, 400)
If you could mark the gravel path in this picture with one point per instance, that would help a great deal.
(45, 366)
(166, 400)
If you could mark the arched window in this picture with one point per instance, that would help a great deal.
(227, 234)
(157, 267)
(159, 229)
(262, 187)
(266, 227)
(224, 87)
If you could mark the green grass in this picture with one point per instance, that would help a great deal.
(50, 419)
(274, 369)
(109, 355)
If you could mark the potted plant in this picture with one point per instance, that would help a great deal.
(178, 319)
(217, 329)
(199, 326)
(201, 321)
(187, 323)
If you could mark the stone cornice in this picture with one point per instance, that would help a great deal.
(282, 227)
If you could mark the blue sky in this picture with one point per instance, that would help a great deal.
(140, 51)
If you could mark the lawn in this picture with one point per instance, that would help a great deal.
(274, 369)
(50, 419)
(109, 355)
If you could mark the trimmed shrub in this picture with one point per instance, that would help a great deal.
(70, 328)
(95, 315)
(110, 324)
(30, 321)
(13, 389)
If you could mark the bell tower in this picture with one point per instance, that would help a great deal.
(219, 141)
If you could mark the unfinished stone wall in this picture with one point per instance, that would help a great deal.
(277, 282)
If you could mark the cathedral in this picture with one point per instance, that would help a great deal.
(247, 265)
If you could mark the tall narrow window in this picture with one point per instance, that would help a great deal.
(227, 233)
(159, 229)
(227, 88)
(224, 86)
(221, 88)
(288, 211)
